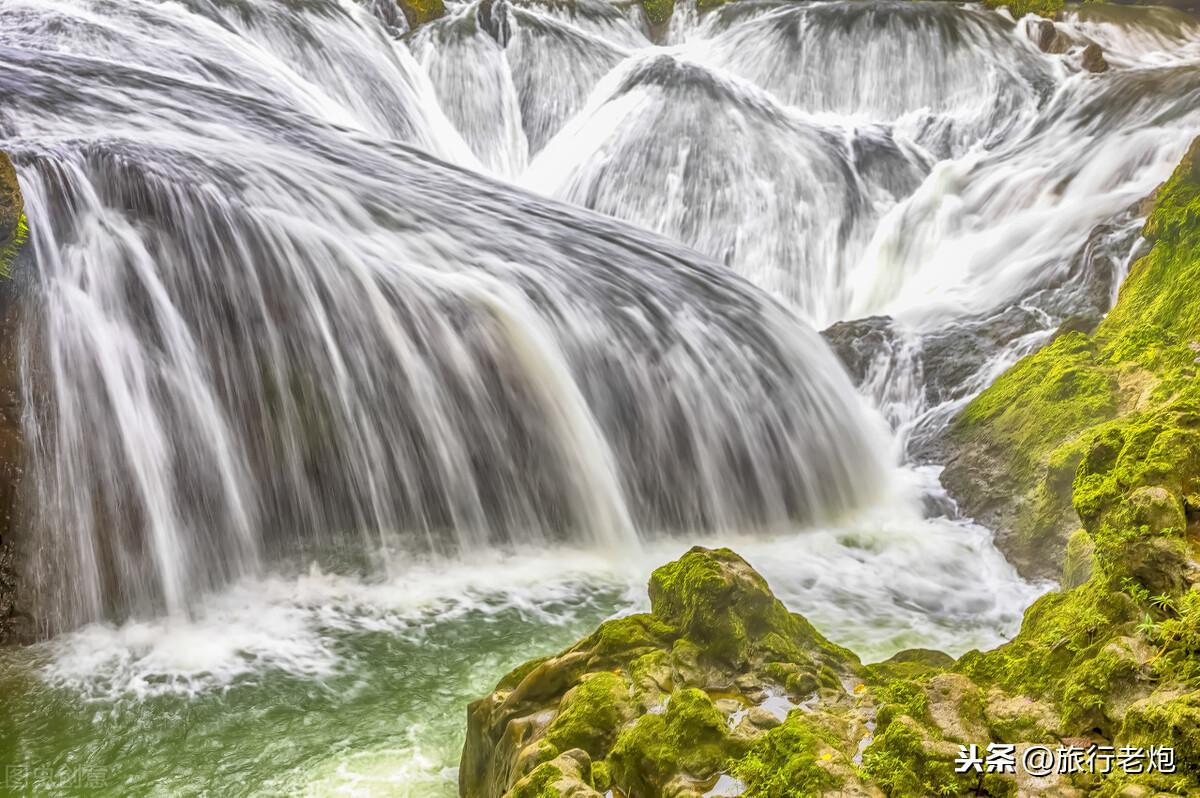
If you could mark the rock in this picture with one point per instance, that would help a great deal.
(658, 14)
(658, 702)
(492, 17)
(719, 686)
(567, 775)
(13, 625)
(859, 343)
(956, 708)
(1019, 717)
(1092, 59)
(12, 215)
(1048, 38)
(419, 12)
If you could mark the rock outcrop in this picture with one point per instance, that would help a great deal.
(419, 12)
(662, 703)
(1018, 448)
(12, 215)
(12, 235)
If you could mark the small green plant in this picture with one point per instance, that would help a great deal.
(1164, 603)
(1147, 628)
(1135, 590)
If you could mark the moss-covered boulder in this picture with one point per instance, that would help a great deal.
(1066, 435)
(1103, 432)
(663, 703)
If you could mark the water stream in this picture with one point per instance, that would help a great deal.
(364, 365)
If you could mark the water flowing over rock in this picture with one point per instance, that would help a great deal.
(429, 362)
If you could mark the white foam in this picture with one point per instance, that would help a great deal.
(883, 581)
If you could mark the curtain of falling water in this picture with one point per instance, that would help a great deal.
(263, 324)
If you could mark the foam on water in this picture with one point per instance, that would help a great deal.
(886, 581)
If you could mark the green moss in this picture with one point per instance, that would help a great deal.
(1168, 720)
(601, 777)
(690, 736)
(786, 761)
(906, 760)
(14, 228)
(590, 714)
(1120, 412)
(624, 638)
(1051, 9)
(1160, 292)
(716, 600)
(1042, 401)
(901, 698)
(538, 784)
(658, 12)
(419, 12)
(8, 252)
(720, 604)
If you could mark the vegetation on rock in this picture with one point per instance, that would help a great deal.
(12, 236)
(418, 12)
(1050, 9)
(12, 216)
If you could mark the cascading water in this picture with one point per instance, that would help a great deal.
(327, 429)
(343, 336)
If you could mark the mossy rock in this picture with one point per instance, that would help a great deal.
(1050, 9)
(419, 12)
(660, 703)
(13, 231)
(691, 738)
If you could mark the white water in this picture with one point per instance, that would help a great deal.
(271, 326)
(888, 581)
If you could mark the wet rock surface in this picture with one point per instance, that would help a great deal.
(13, 625)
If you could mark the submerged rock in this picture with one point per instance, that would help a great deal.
(1092, 59)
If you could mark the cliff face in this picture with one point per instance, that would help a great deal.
(12, 236)
(1098, 438)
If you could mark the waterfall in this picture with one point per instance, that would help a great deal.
(280, 305)
(264, 324)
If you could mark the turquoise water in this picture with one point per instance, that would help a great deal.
(281, 689)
